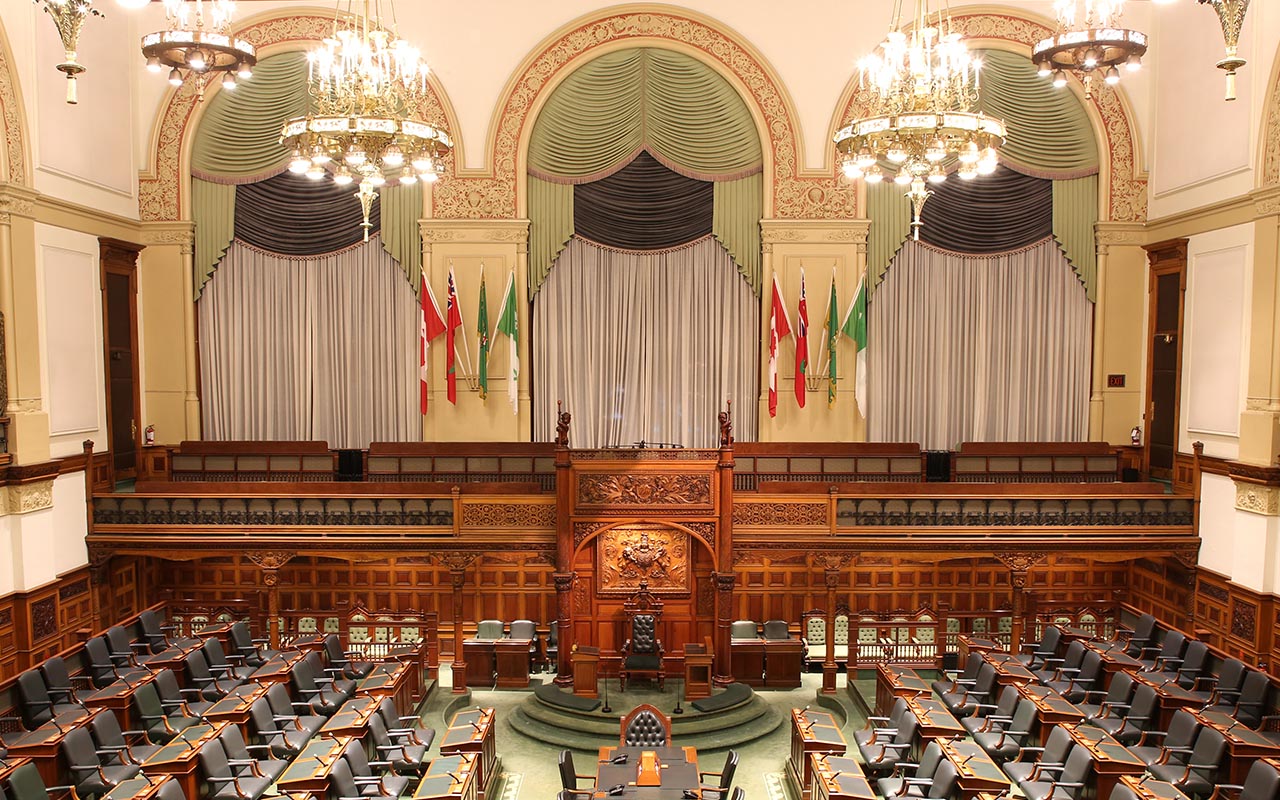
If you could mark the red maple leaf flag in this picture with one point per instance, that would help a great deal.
(453, 317)
(430, 325)
(779, 326)
(802, 344)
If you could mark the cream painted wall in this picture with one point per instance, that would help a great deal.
(45, 544)
(72, 352)
(1215, 343)
(1217, 523)
(1123, 335)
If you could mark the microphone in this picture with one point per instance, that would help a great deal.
(967, 759)
(474, 725)
(621, 758)
(455, 778)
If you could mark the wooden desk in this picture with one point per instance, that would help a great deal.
(449, 778)
(174, 657)
(1113, 661)
(746, 661)
(118, 697)
(234, 708)
(390, 679)
(1069, 634)
(43, 746)
(1244, 745)
(1051, 708)
(139, 788)
(677, 772)
(472, 731)
(783, 663)
(1009, 670)
(1111, 760)
(893, 682)
(512, 657)
(309, 771)
(1172, 697)
(481, 656)
(935, 719)
(181, 757)
(977, 771)
(352, 719)
(1152, 789)
(278, 668)
(811, 732)
(974, 644)
(698, 662)
(307, 643)
(839, 778)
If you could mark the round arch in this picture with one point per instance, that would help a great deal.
(15, 157)
(1122, 187)
(695, 535)
(164, 191)
(1269, 137)
(502, 192)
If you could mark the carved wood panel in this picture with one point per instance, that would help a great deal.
(643, 552)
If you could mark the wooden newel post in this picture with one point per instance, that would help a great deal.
(271, 579)
(831, 577)
(564, 627)
(724, 608)
(458, 579)
(564, 575)
(1018, 580)
(724, 577)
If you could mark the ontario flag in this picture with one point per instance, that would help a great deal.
(453, 321)
(802, 344)
(779, 326)
(430, 325)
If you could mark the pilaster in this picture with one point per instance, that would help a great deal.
(1260, 421)
(167, 331)
(1118, 340)
(19, 303)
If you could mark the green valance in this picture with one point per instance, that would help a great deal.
(213, 208)
(890, 215)
(1050, 135)
(550, 227)
(239, 136)
(736, 223)
(401, 236)
(678, 108)
(1075, 213)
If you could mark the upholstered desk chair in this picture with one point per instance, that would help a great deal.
(776, 629)
(642, 651)
(743, 629)
(489, 629)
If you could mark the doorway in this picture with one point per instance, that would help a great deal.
(119, 265)
(1168, 284)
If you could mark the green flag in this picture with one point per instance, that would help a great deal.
(482, 329)
(509, 323)
(833, 335)
(855, 327)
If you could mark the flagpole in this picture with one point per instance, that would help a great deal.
(477, 372)
(822, 345)
(466, 348)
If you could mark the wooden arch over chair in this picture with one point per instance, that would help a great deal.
(645, 726)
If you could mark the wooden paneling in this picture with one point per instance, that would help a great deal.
(1162, 587)
(1236, 620)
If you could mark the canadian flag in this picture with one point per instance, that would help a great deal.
(430, 325)
(779, 326)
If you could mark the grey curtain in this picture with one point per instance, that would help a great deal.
(979, 348)
(645, 345)
(298, 348)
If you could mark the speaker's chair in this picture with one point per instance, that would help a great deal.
(642, 651)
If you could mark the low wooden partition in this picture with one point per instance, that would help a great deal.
(1035, 462)
(242, 461)
(824, 462)
(462, 462)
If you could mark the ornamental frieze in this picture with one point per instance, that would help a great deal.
(644, 490)
(508, 515)
(783, 515)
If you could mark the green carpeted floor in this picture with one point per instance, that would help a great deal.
(531, 766)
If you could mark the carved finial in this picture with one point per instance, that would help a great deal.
(1198, 448)
(562, 428)
(726, 426)
(87, 444)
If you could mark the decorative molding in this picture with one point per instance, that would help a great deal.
(494, 196)
(1109, 234)
(514, 516)
(788, 515)
(434, 231)
(44, 618)
(776, 231)
(1213, 591)
(643, 554)
(1245, 472)
(660, 489)
(182, 233)
(584, 530)
(73, 590)
(159, 190)
(645, 454)
(11, 112)
(23, 498)
(1021, 561)
(1271, 134)
(1244, 619)
(17, 201)
(270, 560)
(1258, 499)
(458, 560)
(1127, 193)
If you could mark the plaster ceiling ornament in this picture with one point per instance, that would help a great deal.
(922, 85)
(367, 84)
(199, 44)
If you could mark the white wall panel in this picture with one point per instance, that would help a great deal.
(1217, 523)
(51, 541)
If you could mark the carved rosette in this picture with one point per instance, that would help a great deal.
(270, 559)
(457, 561)
(1020, 562)
(1128, 190)
(44, 618)
(781, 515)
(508, 516)
(644, 490)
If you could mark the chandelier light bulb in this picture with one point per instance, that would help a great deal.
(408, 177)
(377, 179)
(343, 177)
(392, 157)
(1113, 76)
(244, 71)
(969, 154)
(175, 77)
(896, 154)
(1059, 79)
(196, 61)
(431, 177)
(967, 173)
(319, 155)
(1134, 63)
(936, 152)
(154, 65)
(354, 155)
(315, 172)
(421, 162)
(1044, 70)
(865, 158)
(902, 178)
(874, 174)
(851, 170)
(1090, 58)
(299, 163)
(936, 175)
(228, 81)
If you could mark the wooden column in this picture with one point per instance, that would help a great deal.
(1019, 565)
(831, 578)
(724, 576)
(564, 576)
(270, 562)
(458, 579)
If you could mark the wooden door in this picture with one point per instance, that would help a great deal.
(1167, 286)
(119, 264)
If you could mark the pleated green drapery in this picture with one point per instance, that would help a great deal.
(401, 237)
(213, 208)
(239, 136)
(1075, 213)
(239, 142)
(1050, 136)
(680, 110)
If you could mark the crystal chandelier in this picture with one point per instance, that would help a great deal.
(368, 85)
(924, 89)
(199, 42)
(1089, 41)
(69, 17)
(1231, 15)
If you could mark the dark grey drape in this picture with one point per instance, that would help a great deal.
(643, 206)
(294, 215)
(1002, 211)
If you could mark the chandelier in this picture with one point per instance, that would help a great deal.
(199, 45)
(69, 17)
(367, 84)
(1231, 15)
(924, 89)
(1088, 42)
